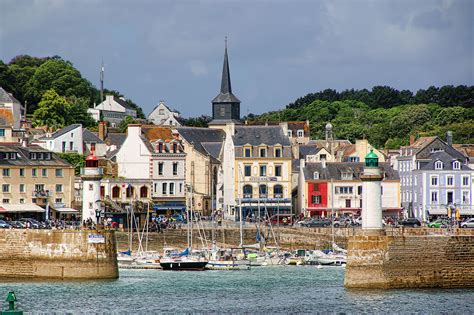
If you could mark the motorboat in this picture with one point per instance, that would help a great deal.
(228, 259)
(184, 260)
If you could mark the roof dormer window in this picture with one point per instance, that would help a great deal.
(438, 165)
(300, 133)
(316, 175)
(456, 165)
(160, 147)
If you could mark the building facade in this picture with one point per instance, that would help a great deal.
(113, 110)
(161, 115)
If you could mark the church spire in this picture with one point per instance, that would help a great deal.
(225, 82)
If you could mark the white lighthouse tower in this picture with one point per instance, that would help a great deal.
(371, 193)
(91, 175)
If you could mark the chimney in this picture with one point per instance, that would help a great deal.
(134, 130)
(102, 130)
(284, 126)
(323, 163)
(412, 139)
(449, 137)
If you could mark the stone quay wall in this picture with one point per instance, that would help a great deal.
(59, 254)
(418, 259)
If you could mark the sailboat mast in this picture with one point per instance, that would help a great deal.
(332, 212)
(240, 210)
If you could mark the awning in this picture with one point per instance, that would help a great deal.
(20, 207)
(66, 210)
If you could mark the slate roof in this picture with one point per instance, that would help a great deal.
(6, 97)
(213, 149)
(23, 156)
(147, 144)
(334, 170)
(196, 136)
(123, 103)
(447, 160)
(306, 150)
(62, 131)
(225, 95)
(88, 136)
(115, 139)
(257, 135)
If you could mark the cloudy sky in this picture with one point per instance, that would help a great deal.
(278, 50)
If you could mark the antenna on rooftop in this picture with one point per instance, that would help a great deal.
(102, 82)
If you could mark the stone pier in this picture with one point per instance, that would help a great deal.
(418, 259)
(58, 254)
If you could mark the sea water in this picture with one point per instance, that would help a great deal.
(263, 290)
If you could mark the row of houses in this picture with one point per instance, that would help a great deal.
(231, 167)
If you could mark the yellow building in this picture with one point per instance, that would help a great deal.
(262, 170)
(32, 180)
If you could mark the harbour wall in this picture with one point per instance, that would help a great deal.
(417, 260)
(58, 254)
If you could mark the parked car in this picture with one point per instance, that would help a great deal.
(281, 219)
(317, 223)
(4, 225)
(438, 224)
(17, 224)
(413, 222)
(344, 222)
(33, 224)
(468, 223)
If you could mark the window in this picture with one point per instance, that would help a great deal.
(44, 172)
(348, 203)
(315, 200)
(91, 187)
(63, 146)
(465, 180)
(449, 180)
(58, 200)
(316, 175)
(22, 200)
(6, 172)
(164, 188)
(277, 170)
(143, 192)
(59, 188)
(175, 147)
(263, 152)
(263, 191)
(248, 152)
(59, 172)
(449, 197)
(22, 172)
(278, 191)
(71, 146)
(434, 180)
(300, 133)
(290, 133)
(465, 196)
(161, 111)
(115, 192)
(160, 147)
(160, 168)
(247, 191)
(5, 200)
(222, 111)
(456, 165)
(171, 188)
(322, 157)
(34, 172)
(90, 205)
(2, 132)
(180, 187)
(438, 165)
(92, 146)
(359, 190)
(354, 159)
(247, 170)
(343, 190)
(346, 175)
(263, 170)
(175, 168)
(6, 188)
(39, 187)
(278, 152)
(130, 192)
(22, 188)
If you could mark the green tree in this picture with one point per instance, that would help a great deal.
(76, 160)
(51, 110)
(122, 127)
(77, 112)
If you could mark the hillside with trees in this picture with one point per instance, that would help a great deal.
(53, 90)
(385, 116)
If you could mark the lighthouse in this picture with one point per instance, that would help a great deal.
(91, 175)
(371, 193)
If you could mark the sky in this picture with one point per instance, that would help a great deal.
(278, 50)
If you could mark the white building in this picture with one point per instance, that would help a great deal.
(163, 116)
(113, 110)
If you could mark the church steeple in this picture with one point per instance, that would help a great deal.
(225, 106)
(226, 87)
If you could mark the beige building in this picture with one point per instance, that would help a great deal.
(32, 180)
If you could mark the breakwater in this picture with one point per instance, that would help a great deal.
(419, 259)
(59, 254)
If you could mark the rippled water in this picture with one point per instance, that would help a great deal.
(260, 290)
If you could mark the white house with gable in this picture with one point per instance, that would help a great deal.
(113, 110)
(163, 116)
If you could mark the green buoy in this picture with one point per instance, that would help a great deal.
(11, 299)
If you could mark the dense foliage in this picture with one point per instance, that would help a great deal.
(201, 121)
(76, 160)
(390, 123)
(28, 78)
